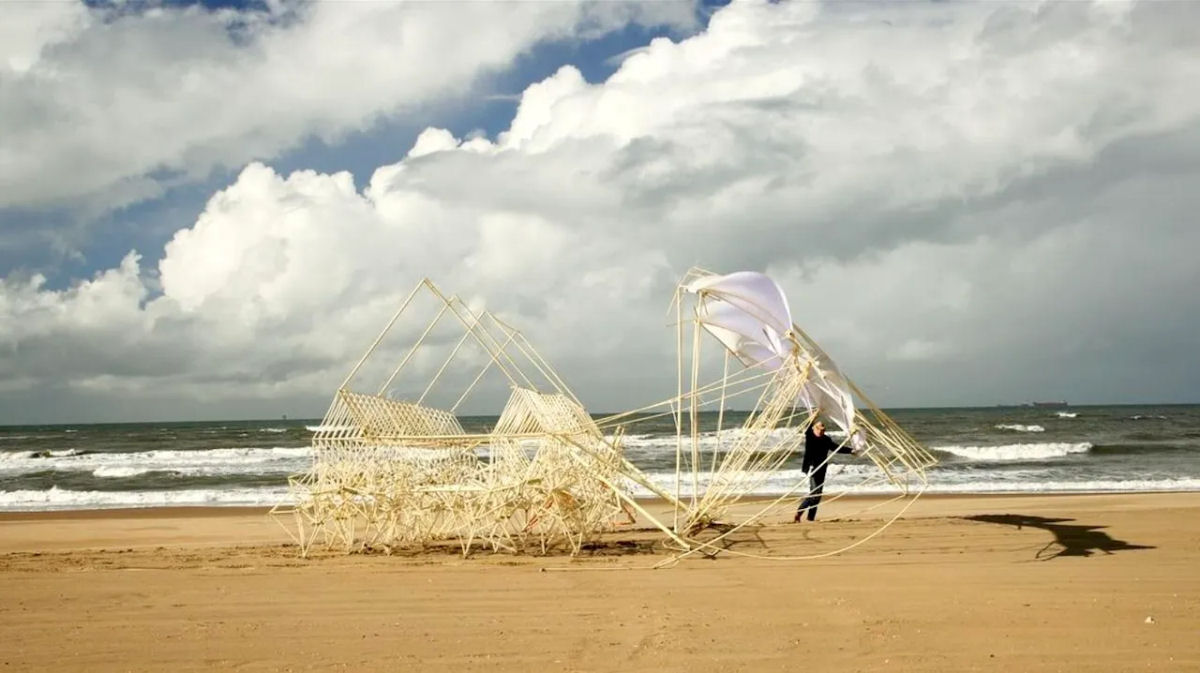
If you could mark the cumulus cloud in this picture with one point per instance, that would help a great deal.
(104, 106)
(967, 204)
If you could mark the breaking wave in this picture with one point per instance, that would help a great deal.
(212, 461)
(13, 457)
(57, 498)
(1014, 452)
(1017, 427)
(119, 472)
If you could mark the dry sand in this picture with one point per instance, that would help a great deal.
(1069, 589)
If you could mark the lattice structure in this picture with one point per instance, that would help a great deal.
(397, 467)
(789, 382)
(399, 472)
(543, 490)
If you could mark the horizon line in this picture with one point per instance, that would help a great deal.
(1022, 405)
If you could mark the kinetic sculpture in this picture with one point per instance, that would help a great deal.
(789, 381)
(388, 472)
(391, 472)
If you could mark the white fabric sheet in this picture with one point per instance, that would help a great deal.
(749, 314)
(754, 293)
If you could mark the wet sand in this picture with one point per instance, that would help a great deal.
(973, 583)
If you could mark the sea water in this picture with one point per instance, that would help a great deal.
(981, 450)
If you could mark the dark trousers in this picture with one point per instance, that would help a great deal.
(816, 486)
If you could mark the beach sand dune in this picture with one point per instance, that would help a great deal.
(996, 583)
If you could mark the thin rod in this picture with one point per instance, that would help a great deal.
(694, 416)
(486, 367)
(412, 351)
(379, 338)
(721, 410)
(446, 363)
(679, 406)
(492, 345)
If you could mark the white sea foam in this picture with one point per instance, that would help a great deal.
(209, 462)
(1066, 414)
(766, 483)
(1017, 427)
(276, 430)
(118, 472)
(56, 498)
(17, 456)
(650, 446)
(1010, 452)
(13, 457)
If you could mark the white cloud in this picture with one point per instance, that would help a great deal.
(104, 107)
(27, 29)
(970, 203)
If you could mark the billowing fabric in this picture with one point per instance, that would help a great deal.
(748, 313)
(754, 343)
(753, 293)
(829, 391)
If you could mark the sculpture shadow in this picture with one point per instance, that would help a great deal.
(1071, 539)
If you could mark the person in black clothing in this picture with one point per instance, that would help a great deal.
(817, 447)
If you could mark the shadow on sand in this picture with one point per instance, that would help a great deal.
(1071, 540)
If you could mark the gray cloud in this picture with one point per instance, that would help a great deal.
(967, 204)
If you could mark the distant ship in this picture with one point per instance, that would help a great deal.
(1059, 403)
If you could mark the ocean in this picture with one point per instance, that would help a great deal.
(226, 463)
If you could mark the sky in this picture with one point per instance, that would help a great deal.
(209, 211)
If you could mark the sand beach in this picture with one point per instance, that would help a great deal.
(962, 583)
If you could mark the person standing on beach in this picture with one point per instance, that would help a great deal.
(817, 447)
